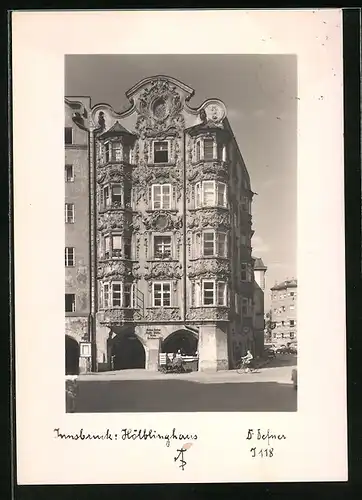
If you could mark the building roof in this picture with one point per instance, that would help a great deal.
(116, 129)
(259, 265)
(285, 284)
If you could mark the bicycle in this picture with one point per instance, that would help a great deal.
(247, 367)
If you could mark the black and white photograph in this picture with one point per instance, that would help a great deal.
(180, 233)
(179, 267)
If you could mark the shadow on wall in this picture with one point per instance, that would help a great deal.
(183, 396)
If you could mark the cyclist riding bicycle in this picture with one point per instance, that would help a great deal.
(246, 360)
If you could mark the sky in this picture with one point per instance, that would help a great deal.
(260, 94)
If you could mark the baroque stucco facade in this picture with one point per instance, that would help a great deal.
(170, 226)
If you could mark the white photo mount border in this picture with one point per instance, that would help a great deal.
(41, 40)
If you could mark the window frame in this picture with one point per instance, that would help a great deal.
(162, 283)
(109, 303)
(162, 186)
(166, 141)
(107, 240)
(74, 307)
(72, 218)
(65, 136)
(199, 194)
(216, 244)
(71, 179)
(68, 258)
(215, 291)
(170, 256)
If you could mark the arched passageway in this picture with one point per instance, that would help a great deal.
(127, 352)
(182, 340)
(71, 356)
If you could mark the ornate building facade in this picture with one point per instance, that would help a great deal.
(170, 230)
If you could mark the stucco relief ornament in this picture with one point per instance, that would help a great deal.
(115, 270)
(138, 245)
(208, 313)
(210, 268)
(162, 221)
(163, 314)
(215, 112)
(209, 218)
(112, 221)
(101, 120)
(162, 270)
(159, 107)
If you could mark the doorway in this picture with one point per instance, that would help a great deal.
(71, 356)
(127, 352)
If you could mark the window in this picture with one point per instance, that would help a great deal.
(246, 272)
(127, 241)
(122, 295)
(246, 307)
(245, 204)
(213, 293)
(161, 196)
(210, 193)
(292, 335)
(116, 195)
(209, 244)
(69, 257)
(68, 135)
(198, 151)
(208, 149)
(160, 152)
(107, 151)
(221, 194)
(236, 303)
(292, 322)
(69, 302)
(121, 247)
(292, 307)
(69, 213)
(116, 246)
(69, 173)
(116, 151)
(208, 293)
(161, 294)
(221, 294)
(162, 247)
(106, 247)
(292, 294)
(243, 239)
(214, 244)
(106, 295)
(126, 153)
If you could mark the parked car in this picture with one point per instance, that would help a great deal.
(269, 351)
(293, 348)
(295, 378)
(282, 349)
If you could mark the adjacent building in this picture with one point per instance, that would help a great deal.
(163, 254)
(260, 270)
(77, 240)
(284, 311)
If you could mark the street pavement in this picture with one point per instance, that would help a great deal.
(269, 389)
